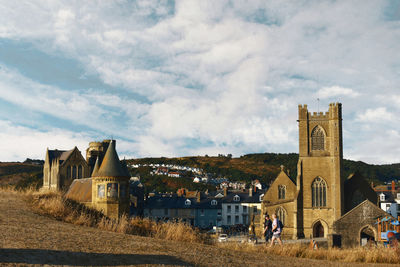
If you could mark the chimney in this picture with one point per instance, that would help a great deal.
(198, 197)
(225, 191)
(255, 189)
(288, 172)
(250, 191)
(393, 186)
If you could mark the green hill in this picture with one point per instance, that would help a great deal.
(261, 166)
(266, 166)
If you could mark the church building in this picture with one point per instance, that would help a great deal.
(309, 205)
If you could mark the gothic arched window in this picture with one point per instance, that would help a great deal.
(80, 171)
(318, 139)
(281, 214)
(69, 172)
(281, 192)
(318, 190)
(73, 172)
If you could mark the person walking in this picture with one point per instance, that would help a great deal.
(276, 230)
(267, 228)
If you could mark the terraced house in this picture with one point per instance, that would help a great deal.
(205, 210)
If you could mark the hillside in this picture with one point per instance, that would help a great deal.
(20, 175)
(262, 166)
(266, 166)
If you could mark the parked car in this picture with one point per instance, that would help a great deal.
(223, 238)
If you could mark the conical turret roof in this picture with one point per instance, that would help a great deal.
(96, 167)
(111, 166)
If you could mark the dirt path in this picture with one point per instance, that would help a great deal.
(28, 238)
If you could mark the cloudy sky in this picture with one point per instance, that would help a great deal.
(196, 77)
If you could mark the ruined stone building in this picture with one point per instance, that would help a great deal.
(104, 187)
(96, 150)
(320, 195)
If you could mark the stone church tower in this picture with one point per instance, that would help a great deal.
(319, 180)
(309, 204)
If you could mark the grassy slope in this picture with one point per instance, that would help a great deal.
(29, 238)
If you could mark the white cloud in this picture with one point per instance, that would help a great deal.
(336, 91)
(215, 73)
(376, 115)
(19, 142)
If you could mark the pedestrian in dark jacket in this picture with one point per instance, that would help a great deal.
(267, 228)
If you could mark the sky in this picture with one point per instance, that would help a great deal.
(187, 78)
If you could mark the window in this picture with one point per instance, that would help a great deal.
(236, 208)
(382, 197)
(73, 172)
(79, 171)
(188, 202)
(281, 213)
(244, 218)
(318, 189)
(261, 197)
(228, 219)
(236, 198)
(237, 219)
(100, 191)
(165, 212)
(69, 172)
(228, 209)
(202, 212)
(244, 209)
(255, 209)
(318, 139)
(112, 190)
(387, 207)
(214, 202)
(398, 196)
(281, 192)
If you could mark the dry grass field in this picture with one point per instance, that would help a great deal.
(29, 238)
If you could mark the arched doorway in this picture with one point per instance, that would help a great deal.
(318, 230)
(367, 234)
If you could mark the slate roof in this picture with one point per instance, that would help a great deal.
(111, 166)
(80, 190)
(168, 202)
(389, 196)
(60, 154)
(176, 202)
(244, 197)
